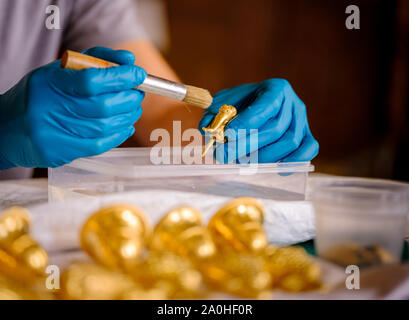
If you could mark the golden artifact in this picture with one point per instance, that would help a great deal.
(116, 236)
(292, 269)
(171, 273)
(363, 256)
(239, 226)
(24, 260)
(10, 290)
(181, 232)
(241, 274)
(216, 128)
(21, 258)
(14, 222)
(87, 281)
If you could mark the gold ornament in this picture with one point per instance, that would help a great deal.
(171, 273)
(88, 281)
(292, 269)
(116, 236)
(216, 128)
(10, 290)
(239, 226)
(14, 222)
(21, 258)
(241, 274)
(181, 232)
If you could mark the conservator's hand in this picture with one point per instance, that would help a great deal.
(273, 108)
(53, 115)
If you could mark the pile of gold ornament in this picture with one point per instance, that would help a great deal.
(178, 259)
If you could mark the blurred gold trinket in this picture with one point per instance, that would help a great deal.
(241, 274)
(14, 222)
(88, 281)
(181, 232)
(24, 260)
(239, 226)
(170, 272)
(21, 258)
(292, 269)
(116, 236)
(10, 290)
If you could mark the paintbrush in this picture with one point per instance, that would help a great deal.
(155, 85)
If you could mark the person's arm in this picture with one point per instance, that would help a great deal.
(159, 112)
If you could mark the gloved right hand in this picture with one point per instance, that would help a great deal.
(53, 115)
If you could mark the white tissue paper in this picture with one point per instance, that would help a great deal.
(56, 226)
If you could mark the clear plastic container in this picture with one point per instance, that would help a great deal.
(131, 169)
(360, 221)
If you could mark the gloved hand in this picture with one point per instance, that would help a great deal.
(53, 115)
(273, 108)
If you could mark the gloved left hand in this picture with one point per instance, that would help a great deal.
(273, 108)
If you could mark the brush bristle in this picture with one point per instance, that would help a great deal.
(198, 97)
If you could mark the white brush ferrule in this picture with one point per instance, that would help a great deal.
(163, 87)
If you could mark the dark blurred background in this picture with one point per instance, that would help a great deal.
(354, 82)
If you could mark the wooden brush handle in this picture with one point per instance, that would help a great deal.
(162, 87)
(78, 61)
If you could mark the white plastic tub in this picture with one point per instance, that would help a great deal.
(361, 221)
(133, 169)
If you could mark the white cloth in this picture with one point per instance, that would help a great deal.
(56, 225)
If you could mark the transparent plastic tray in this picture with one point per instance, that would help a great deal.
(129, 169)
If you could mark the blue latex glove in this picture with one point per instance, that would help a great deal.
(273, 108)
(53, 115)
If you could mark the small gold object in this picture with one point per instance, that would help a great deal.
(171, 273)
(181, 232)
(29, 253)
(88, 281)
(216, 128)
(24, 260)
(292, 269)
(239, 226)
(10, 290)
(21, 258)
(241, 274)
(14, 222)
(116, 236)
